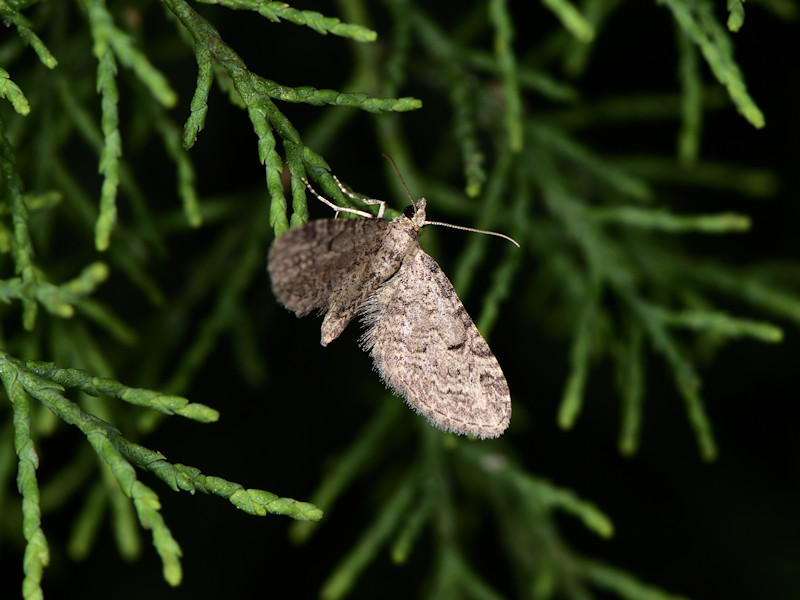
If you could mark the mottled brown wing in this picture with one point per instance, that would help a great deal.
(428, 350)
(310, 264)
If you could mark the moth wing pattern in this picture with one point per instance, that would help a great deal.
(428, 350)
(309, 265)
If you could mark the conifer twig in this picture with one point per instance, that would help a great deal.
(275, 11)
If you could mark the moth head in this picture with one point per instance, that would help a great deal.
(416, 212)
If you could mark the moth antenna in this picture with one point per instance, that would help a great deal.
(400, 177)
(494, 233)
(414, 204)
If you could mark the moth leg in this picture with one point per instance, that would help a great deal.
(338, 209)
(368, 201)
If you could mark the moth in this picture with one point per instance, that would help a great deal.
(421, 339)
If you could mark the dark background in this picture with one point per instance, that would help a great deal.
(728, 529)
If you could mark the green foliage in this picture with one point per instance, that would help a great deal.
(617, 279)
(698, 22)
(275, 11)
